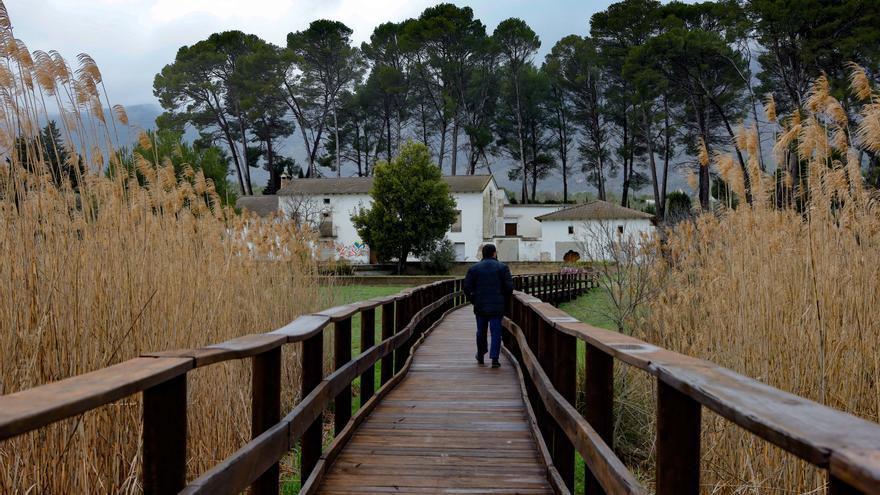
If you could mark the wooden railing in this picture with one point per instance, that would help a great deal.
(162, 378)
(543, 341)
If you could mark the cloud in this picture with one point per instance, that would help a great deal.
(133, 39)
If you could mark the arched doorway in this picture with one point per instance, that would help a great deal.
(571, 256)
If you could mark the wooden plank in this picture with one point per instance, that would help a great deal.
(427, 420)
(600, 459)
(805, 428)
(238, 348)
(303, 327)
(678, 442)
(239, 470)
(599, 403)
(859, 469)
(341, 357)
(387, 332)
(164, 437)
(33, 408)
(565, 382)
(342, 438)
(312, 374)
(368, 340)
(266, 411)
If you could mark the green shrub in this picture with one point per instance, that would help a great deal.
(440, 259)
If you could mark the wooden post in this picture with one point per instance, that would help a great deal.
(678, 442)
(341, 357)
(312, 362)
(598, 403)
(368, 339)
(164, 437)
(837, 486)
(266, 409)
(403, 317)
(564, 372)
(387, 370)
(542, 348)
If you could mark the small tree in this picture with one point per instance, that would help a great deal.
(412, 209)
(623, 262)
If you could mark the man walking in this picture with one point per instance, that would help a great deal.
(487, 285)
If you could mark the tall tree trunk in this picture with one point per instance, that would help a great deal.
(667, 155)
(454, 156)
(747, 182)
(388, 129)
(704, 186)
(244, 154)
(519, 135)
(336, 138)
(649, 143)
(565, 180)
(274, 175)
(424, 117)
(624, 196)
(233, 149)
(442, 152)
(357, 148)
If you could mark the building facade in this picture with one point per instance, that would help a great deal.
(546, 232)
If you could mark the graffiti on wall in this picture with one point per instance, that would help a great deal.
(355, 250)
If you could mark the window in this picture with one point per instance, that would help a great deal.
(459, 251)
(510, 228)
(325, 228)
(456, 227)
(620, 229)
(571, 229)
(326, 201)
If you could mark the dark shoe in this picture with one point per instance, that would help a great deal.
(495, 363)
(479, 359)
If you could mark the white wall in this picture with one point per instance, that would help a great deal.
(587, 235)
(472, 223)
(524, 216)
(347, 243)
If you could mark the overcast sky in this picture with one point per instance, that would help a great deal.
(132, 40)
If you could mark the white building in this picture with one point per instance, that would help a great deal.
(573, 232)
(330, 203)
(521, 232)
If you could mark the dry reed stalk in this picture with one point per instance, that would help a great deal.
(785, 296)
(96, 274)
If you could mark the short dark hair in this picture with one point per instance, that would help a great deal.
(488, 250)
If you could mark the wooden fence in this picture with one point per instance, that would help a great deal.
(162, 378)
(543, 341)
(540, 337)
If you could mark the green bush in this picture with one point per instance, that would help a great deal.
(440, 259)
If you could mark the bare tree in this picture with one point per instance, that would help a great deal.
(623, 261)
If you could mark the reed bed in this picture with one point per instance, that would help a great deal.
(784, 289)
(97, 268)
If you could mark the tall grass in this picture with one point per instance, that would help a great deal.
(785, 289)
(96, 269)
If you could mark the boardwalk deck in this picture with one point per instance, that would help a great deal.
(451, 426)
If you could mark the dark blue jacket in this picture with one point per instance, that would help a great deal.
(487, 285)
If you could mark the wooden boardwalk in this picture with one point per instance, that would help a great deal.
(450, 426)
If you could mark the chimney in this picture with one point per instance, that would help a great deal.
(285, 180)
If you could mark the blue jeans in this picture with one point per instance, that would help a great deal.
(494, 325)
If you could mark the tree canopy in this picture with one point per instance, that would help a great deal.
(412, 208)
(651, 88)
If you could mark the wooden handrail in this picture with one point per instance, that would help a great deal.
(161, 376)
(847, 446)
(600, 459)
